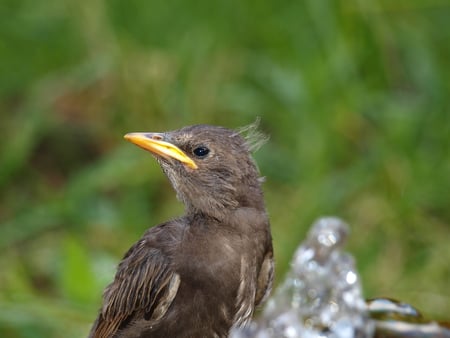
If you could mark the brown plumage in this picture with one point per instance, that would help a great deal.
(203, 273)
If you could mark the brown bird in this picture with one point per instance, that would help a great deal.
(202, 274)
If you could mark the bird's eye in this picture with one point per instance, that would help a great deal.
(201, 151)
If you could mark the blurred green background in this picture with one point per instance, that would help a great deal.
(354, 96)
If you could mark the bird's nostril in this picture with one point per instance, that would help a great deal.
(157, 137)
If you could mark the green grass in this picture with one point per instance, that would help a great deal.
(354, 96)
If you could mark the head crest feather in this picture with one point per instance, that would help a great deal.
(254, 138)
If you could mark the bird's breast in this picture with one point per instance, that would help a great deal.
(218, 269)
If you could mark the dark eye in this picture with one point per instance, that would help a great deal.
(201, 151)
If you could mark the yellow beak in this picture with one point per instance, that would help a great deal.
(153, 143)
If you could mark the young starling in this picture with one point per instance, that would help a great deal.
(202, 274)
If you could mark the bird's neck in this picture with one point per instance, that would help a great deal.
(250, 197)
(224, 207)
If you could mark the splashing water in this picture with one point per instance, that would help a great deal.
(321, 296)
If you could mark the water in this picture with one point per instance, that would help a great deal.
(321, 296)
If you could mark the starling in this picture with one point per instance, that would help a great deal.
(201, 274)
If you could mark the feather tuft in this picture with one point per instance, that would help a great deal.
(254, 138)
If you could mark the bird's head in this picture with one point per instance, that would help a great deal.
(210, 167)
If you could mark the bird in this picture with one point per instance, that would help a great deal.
(204, 273)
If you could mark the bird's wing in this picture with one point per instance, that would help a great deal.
(252, 294)
(265, 279)
(143, 288)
